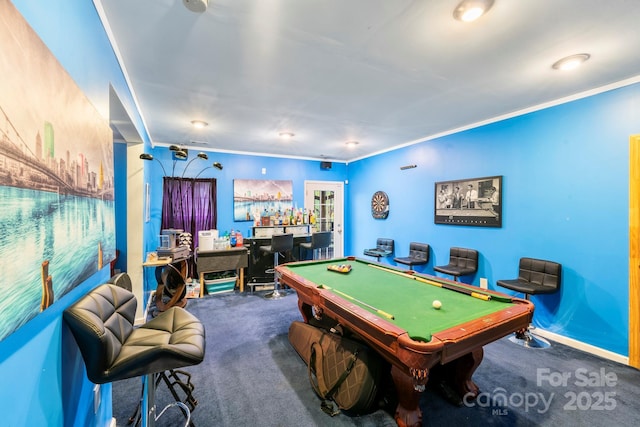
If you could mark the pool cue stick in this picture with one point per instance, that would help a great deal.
(479, 295)
(399, 273)
(377, 310)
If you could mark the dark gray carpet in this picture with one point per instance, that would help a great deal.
(251, 376)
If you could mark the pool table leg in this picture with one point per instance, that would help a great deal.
(466, 366)
(408, 413)
(458, 373)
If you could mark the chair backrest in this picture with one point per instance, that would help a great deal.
(419, 251)
(282, 242)
(122, 280)
(462, 257)
(101, 322)
(321, 239)
(540, 272)
(383, 244)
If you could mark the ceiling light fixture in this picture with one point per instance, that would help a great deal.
(197, 6)
(199, 124)
(470, 10)
(570, 62)
(351, 144)
(286, 135)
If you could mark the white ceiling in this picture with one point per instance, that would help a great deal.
(383, 72)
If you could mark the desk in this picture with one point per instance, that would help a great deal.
(419, 337)
(235, 258)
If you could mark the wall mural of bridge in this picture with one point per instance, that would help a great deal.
(57, 218)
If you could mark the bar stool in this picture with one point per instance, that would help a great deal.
(384, 247)
(279, 243)
(462, 262)
(535, 276)
(418, 255)
(113, 349)
(319, 240)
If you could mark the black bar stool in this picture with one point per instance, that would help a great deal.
(113, 349)
(279, 243)
(462, 262)
(319, 240)
(535, 276)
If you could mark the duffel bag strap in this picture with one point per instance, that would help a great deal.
(319, 386)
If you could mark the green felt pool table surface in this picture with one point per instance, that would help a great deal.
(408, 300)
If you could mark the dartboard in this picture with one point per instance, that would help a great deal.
(380, 205)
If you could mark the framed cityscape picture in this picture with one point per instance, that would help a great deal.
(473, 201)
(253, 196)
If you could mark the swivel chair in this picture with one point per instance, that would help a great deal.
(462, 262)
(112, 349)
(384, 247)
(319, 240)
(121, 280)
(535, 276)
(418, 255)
(279, 243)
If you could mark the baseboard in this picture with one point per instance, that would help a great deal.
(587, 348)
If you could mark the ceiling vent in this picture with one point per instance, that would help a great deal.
(197, 6)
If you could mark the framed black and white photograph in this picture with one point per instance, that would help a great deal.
(474, 201)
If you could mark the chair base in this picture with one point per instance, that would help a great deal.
(276, 294)
(528, 340)
(145, 413)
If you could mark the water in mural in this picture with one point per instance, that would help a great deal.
(36, 226)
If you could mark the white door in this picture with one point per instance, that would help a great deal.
(326, 200)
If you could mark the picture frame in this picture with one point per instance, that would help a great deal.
(472, 201)
(251, 197)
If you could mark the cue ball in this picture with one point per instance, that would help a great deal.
(436, 304)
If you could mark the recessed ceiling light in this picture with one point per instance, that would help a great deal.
(286, 135)
(570, 62)
(199, 124)
(351, 144)
(470, 10)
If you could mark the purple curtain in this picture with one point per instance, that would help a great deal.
(189, 204)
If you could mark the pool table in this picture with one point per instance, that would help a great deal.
(392, 310)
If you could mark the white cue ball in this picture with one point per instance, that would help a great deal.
(436, 304)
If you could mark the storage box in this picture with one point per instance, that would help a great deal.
(219, 282)
(206, 239)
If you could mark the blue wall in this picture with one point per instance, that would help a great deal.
(43, 376)
(565, 198)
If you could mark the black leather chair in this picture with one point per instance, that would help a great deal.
(279, 243)
(319, 240)
(535, 276)
(102, 325)
(121, 280)
(384, 247)
(462, 262)
(418, 255)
